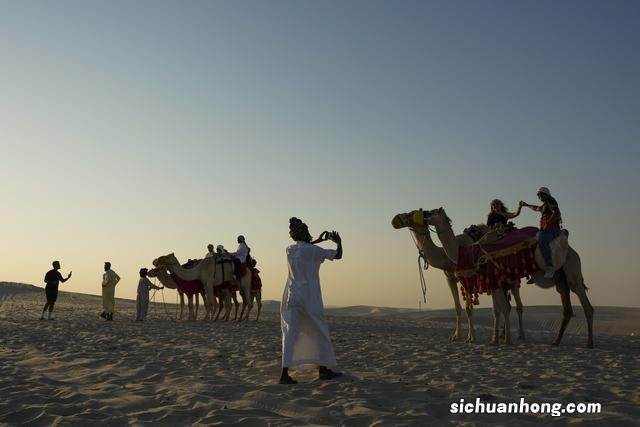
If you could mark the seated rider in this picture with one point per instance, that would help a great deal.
(549, 226)
(499, 214)
(240, 257)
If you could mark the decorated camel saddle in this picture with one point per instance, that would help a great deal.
(189, 287)
(504, 257)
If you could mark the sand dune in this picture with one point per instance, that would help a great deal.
(400, 368)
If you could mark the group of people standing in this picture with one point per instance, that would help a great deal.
(110, 279)
(306, 341)
(550, 222)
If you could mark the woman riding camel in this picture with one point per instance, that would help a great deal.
(305, 333)
(499, 214)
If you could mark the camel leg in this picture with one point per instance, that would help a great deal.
(220, 306)
(191, 314)
(506, 314)
(588, 312)
(211, 303)
(573, 274)
(456, 301)
(259, 302)
(249, 305)
(246, 295)
(227, 303)
(567, 310)
(197, 304)
(515, 291)
(496, 318)
(234, 297)
(181, 305)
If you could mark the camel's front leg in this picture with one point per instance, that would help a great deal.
(451, 281)
(506, 314)
(197, 305)
(227, 304)
(236, 304)
(211, 302)
(191, 314)
(181, 305)
(515, 291)
(220, 307)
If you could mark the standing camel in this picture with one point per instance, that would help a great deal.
(437, 258)
(566, 262)
(168, 282)
(211, 273)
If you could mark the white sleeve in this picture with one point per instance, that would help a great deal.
(322, 254)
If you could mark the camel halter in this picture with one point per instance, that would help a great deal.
(421, 256)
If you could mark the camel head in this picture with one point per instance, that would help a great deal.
(163, 276)
(420, 218)
(165, 261)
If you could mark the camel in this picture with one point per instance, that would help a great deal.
(256, 290)
(567, 278)
(436, 257)
(168, 282)
(211, 273)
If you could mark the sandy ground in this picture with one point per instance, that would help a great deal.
(400, 368)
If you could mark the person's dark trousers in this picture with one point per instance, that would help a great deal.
(545, 237)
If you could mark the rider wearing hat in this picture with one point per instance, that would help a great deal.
(549, 226)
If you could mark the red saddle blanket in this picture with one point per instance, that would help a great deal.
(189, 287)
(482, 268)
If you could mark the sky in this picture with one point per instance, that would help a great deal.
(130, 130)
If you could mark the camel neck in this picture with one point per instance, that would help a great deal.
(449, 242)
(434, 254)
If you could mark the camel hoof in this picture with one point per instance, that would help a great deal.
(455, 336)
(555, 343)
(590, 344)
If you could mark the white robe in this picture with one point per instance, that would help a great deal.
(306, 342)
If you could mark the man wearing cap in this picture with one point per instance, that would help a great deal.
(549, 226)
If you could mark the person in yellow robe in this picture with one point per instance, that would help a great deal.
(109, 281)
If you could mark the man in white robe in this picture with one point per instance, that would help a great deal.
(306, 342)
(109, 281)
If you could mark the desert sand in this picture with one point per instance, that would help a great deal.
(400, 368)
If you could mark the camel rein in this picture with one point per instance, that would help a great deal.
(421, 269)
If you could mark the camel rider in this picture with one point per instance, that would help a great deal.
(220, 250)
(499, 214)
(549, 226)
(240, 257)
(210, 252)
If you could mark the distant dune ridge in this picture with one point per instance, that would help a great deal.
(399, 366)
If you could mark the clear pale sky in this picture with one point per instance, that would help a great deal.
(130, 130)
